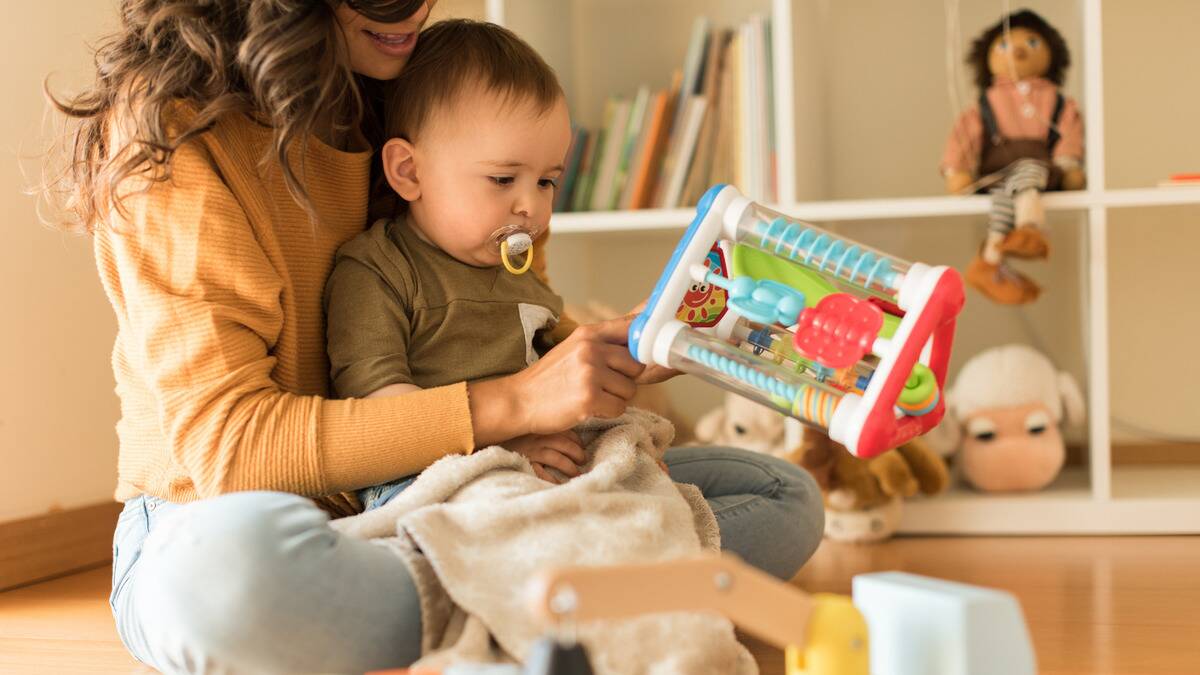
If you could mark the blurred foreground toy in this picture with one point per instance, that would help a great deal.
(838, 335)
(896, 624)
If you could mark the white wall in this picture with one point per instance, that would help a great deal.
(57, 408)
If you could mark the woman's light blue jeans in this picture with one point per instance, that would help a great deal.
(257, 582)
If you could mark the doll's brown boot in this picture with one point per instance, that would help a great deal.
(1026, 242)
(1001, 283)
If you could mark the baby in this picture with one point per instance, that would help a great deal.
(479, 132)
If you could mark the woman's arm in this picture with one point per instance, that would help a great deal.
(199, 309)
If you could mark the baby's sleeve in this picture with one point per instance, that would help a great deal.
(367, 329)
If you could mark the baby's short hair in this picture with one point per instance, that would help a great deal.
(452, 56)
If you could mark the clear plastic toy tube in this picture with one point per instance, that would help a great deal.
(854, 266)
(791, 393)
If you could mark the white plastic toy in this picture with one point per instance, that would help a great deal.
(834, 333)
(962, 629)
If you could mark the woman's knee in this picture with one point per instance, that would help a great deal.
(213, 570)
(801, 495)
(799, 515)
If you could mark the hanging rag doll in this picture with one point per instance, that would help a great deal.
(1022, 138)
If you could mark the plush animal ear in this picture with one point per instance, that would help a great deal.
(710, 425)
(945, 438)
(1074, 410)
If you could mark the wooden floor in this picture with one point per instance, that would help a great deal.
(1094, 605)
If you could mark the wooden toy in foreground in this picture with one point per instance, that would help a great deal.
(896, 624)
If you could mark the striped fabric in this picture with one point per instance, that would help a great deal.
(1025, 174)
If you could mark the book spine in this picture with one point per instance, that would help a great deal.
(579, 142)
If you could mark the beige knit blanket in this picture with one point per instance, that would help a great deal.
(475, 529)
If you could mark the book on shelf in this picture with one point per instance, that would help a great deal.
(693, 62)
(699, 175)
(1180, 179)
(581, 197)
(633, 147)
(641, 184)
(665, 148)
(606, 173)
(692, 119)
(571, 168)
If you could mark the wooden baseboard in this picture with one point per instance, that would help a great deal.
(57, 543)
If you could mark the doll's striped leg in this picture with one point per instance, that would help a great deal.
(1000, 223)
(1025, 184)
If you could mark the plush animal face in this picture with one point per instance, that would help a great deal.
(1021, 50)
(742, 423)
(1011, 449)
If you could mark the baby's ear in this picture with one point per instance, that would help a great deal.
(400, 169)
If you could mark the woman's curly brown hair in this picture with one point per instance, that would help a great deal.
(282, 62)
(1060, 56)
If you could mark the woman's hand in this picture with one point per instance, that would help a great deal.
(656, 373)
(590, 374)
(563, 452)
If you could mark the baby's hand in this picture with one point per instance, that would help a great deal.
(563, 451)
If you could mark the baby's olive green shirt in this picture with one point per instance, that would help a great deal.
(400, 310)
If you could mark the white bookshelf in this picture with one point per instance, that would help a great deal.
(902, 208)
(1097, 498)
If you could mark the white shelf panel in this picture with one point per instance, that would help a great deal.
(616, 221)
(876, 209)
(1147, 500)
(1154, 196)
(1141, 482)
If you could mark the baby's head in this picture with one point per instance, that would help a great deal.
(479, 132)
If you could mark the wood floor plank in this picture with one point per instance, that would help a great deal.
(66, 656)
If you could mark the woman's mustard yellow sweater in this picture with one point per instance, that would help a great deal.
(216, 277)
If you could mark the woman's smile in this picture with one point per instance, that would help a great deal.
(393, 44)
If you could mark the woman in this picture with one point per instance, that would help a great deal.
(221, 158)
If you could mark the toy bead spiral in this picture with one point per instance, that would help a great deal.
(806, 402)
(741, 371)
(826, 251)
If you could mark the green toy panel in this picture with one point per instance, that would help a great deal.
(752, 262)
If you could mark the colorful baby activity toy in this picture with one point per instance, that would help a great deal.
(836, 334)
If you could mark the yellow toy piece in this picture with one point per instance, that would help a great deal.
(508, 264)
(837, 642)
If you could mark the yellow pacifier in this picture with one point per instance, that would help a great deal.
(516, 244)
